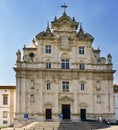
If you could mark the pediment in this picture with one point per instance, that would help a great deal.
(66, 98)
(83, 104)
(65, 23)
(48, 105)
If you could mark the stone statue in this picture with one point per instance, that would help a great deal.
(32, 84)
(98, 98)
(109, 59)
(32, 98)
(18, 55)
(98, 85)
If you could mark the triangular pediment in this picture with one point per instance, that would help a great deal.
(65, 23)
(66, 98)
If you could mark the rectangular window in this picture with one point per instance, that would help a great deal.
(48, 49)
(115, 88)
(5, 114)
(81, 49)
(5, 122)
(65, 64)
(82, 87)
(48, 65)
(48, 86)
(5, 100)
(65, 86)
(81, 66)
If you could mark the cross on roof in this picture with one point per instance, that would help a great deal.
(64, 6)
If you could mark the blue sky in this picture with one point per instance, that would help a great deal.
(22, 20)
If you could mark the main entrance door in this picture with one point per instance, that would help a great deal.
(48, 114)
(83, 114)
(66, 111)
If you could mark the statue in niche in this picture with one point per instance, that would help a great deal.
(98, 99)
(32, 84)
(98, 85)
(32, 98)
(18, 55)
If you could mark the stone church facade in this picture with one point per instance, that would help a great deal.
(60, 75)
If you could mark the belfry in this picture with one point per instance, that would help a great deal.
(60, 75)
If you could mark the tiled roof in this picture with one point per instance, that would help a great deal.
(7, 87)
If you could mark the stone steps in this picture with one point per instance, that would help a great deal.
(63, 125)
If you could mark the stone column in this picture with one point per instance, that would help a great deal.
(23, 95)
(18, 89)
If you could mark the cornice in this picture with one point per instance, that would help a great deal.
(63, 70)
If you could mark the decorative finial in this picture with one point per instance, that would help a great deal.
(73, 18)
(80, 25)
(24, 46)
(48, 31)
(33, 40)
(81, 32)
(48, 28)
(55, 19)
(81, 29)
(48, 24)
(64, 6)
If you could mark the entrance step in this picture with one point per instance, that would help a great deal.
(67, 125)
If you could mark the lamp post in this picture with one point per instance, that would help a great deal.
(26, 119)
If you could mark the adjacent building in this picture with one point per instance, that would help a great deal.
(115, 88)
(7, 105)
(61, 75)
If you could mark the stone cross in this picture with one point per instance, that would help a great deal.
(64, 6)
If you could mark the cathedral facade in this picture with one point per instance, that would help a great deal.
(60, 75)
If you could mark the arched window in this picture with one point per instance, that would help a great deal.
(82, 85)
(65, 61)
(48, 64)
(81, 65)
(65, 64)
(48, 86)
(31, 55)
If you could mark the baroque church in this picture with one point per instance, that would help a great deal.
(60, 75)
